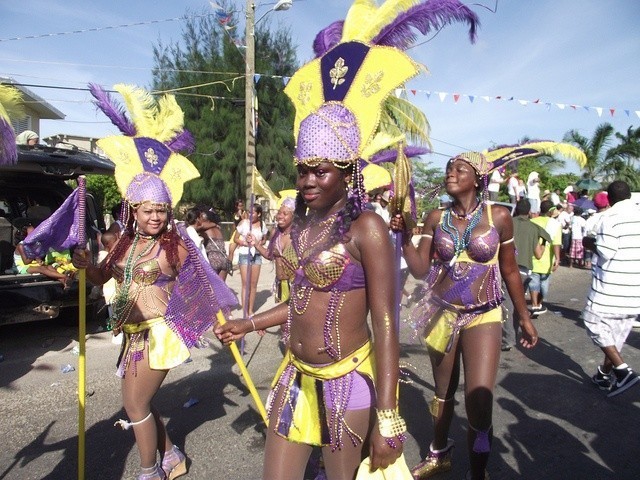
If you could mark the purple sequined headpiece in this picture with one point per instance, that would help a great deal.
(289, 203)
(147, 187)
(331, 133)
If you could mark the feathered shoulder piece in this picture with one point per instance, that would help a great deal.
(149, 166)
(11, 106)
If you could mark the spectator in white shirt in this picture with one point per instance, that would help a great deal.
(496, 179)
(533, 192)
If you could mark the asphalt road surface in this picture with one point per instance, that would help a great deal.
(549, 420)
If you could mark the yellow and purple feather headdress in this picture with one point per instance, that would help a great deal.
(149, 166)
(339, 96)
(10, 106)
(489, 160)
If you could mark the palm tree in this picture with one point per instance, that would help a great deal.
(597, 149)
(629, 147)
(627, 155)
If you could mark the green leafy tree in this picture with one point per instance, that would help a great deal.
(104, 190)
(426, 180)
(206, 72)
(626, 156)
(607, 162)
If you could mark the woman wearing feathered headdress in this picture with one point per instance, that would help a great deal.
(280, 240)
(337, 385)
(465, 251)
(166, 295)
(11, 106)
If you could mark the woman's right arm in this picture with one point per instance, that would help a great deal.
(239, 237)
(234, 330)
(418, 258)
(262, 250)
(25, 259)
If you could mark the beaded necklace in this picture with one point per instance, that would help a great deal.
(301, 295)
(467, 216)
(144, 236)
(302, 243)
(461, 242)
(124, 302)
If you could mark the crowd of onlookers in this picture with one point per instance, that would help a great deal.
(577, 211)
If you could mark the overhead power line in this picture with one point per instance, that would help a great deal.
(99, 29)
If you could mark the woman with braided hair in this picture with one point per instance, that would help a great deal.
(464, 251)
(167, 294)
(337, 386)
(337, 252)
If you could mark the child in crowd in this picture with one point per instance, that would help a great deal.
(23, 264)
(61, 261)
(578, 226)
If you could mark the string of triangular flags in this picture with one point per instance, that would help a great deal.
(225, 19)
(457, 97)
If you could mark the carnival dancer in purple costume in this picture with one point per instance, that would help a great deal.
(280, 240)
(464, 251)
(167, 295)
(337, 386)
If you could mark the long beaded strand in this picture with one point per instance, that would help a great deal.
(460, 243)
(123, 303)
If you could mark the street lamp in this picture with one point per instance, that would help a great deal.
(250, 66)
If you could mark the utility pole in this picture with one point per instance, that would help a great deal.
(250, 65)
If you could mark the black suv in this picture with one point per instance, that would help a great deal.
(29, 192)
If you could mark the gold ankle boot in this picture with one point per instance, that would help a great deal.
(436, 462)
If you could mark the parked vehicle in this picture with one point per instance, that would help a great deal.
(29, 192)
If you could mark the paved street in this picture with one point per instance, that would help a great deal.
(549, 420)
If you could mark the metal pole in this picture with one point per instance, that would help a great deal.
(250, 59)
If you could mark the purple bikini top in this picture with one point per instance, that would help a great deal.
(482, 248)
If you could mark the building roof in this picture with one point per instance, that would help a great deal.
(35, 102)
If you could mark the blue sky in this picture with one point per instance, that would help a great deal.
(560, 52)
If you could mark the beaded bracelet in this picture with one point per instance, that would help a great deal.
(390, 423)
(392, 443)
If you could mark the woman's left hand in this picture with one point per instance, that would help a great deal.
(381, 453)
(529, 337)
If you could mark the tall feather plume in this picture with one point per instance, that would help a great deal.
(169, 119)
(384, 14)
(113, 110)
(142, 108)
(503, 155)
(183, 142)
(426, 17)
(391, 154)
(328, 38)
(10, 106)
